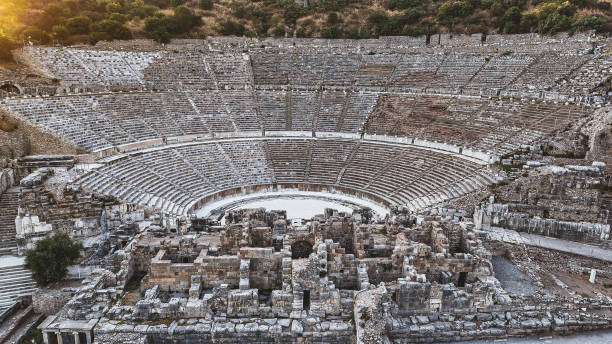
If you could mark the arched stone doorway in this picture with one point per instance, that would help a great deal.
(9, 87)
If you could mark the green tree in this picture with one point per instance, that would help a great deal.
(232, 28)
(554, 23)
(529, 22)
(50, 258)
(115, 29)
(6, 46)
(511, 20)
(589, 22)
(79, 25)
(402, 4)
(60, 32)
(185, 19)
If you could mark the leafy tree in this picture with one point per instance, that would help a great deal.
(454, 9)
(207, 5)
(546, 10)
(554, 23)
(160, 27)
(497, 9)
(95, 37)
(60, 32)
(529, 22)
(511, 20)
(78, 25)
(186, 19)
(332, 32)
(589, 22)
(6, 46)
(402, 4)
(232, 28)
(118, 17)
(36, 35)
(51, 15)
(114, 29)
(50, 259)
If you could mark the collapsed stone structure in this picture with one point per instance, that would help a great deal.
(334, 279)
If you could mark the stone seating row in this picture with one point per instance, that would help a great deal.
(173, 179)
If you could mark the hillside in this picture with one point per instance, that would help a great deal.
(89, 21)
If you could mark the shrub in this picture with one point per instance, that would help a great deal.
(207, 5)
(6, 46)
(232, 28)
(185, 19)
(143, 11)
(78, 25)
(50, 258)
(60, 32)
(118, 17)
(554, 23)
(454, 9)
(114, 29)
(402, 4)
(529, 22)
(332, 32)
(512, 15)
(589, 22)
(36, 35)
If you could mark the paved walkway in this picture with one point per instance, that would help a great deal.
(514, 237)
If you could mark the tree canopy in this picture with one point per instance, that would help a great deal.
(50, 258)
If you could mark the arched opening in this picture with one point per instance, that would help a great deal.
(301, 249)
(10, 88)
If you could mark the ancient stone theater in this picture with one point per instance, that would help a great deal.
(459, 185)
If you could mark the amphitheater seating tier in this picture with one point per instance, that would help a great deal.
(175, 178)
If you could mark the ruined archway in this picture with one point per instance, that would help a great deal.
(9, 87)
(301, 249)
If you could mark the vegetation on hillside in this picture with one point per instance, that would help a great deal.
(89, 21)
(50, 259)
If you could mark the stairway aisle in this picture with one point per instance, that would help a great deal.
(9, 204)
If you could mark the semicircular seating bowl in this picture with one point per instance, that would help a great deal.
(209, 119)
(181, 177)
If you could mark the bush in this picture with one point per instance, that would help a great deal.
(554, 23)
(185, 19)
(589, 22)
(454, 9)
(160, 27)
(6, 46)
(36, 35)
(207, 5)
(232, 28)
(512, 15)
(114, 29)
(95, 37)
(529, 22)
(78, 25)
(118, 17)
(60, 32)
(402, 4)
(50, 258)
(332, 32)
(143, 11)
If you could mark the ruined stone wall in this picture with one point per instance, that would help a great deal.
(28, 138)
(49, 302)
(7, 176)
(79, 213)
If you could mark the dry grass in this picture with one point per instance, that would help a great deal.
(7, 125)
